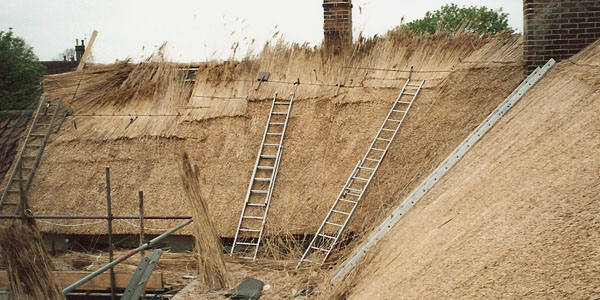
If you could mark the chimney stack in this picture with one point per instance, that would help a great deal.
(79, 49)
(337, 24)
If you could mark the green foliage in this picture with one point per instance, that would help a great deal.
(20, 73)
(452, 19)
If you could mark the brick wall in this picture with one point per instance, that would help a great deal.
(557, 29)
(337, 23)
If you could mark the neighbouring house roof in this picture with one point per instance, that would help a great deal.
(57, 67)
(12, 126)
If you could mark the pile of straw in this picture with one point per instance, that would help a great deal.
(28, 264)
(211, 266)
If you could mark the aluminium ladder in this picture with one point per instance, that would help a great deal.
(258, 197)
(344, 206)
(29, 157)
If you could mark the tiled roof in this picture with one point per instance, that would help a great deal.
(57, 67)
(12, 127)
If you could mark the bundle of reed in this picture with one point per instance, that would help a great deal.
(211, 266)
(28, 264)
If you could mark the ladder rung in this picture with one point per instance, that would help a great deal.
(279, 113)
(371, 159)
(360, 178)
(265, 168)
(386, 129)
(319, 249)
(276, 123)
(274, 133)
(308, 260)
(369, 169)
(398, 111)
(353, 190)
(283, 103)
(271, 144)
(327, 236)
(253, 217)
(377, 149)
(259, 191)
(334, 224)
(38, 134)
(350, 201)
(247, 244)
(382, 139)
(407, 93)
(256, 204)
(262, 179)
(249, 230)
(268, 156)
(341, 212)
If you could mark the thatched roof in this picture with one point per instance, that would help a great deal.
(517, 217)
(137, 118)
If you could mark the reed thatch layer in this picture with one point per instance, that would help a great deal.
(152, 98)
(27, 263)
(211, 266)
(517, 217)
(325, 138)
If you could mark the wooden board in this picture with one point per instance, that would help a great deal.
(100, 282)
(87, 52)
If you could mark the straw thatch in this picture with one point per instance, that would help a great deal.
(325, 138)
(211, 266)
(517, 217)
(28, 264)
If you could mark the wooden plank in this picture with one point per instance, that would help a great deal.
(100, 282)
(88, 50)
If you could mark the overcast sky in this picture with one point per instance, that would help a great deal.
(197, 30)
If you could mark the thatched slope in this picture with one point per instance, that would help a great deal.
(326, 135)
(517, 218)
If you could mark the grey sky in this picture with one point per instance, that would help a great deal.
(198, 29)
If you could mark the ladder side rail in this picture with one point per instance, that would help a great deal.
(279, 149)
(372, 175)
(269, 193)
(388, 144)
(43, 146)
(287, 117)
(351, 179)
(249, 191)
(328, 215)
(386, 225)
(346, 219)
(387, 117)
(20, 155)
(273, 175)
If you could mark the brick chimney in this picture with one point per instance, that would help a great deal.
(337, 24)
(79, 49)
(557, 29)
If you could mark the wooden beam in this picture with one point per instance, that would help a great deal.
(88, 50)
(100, 282)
